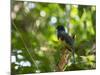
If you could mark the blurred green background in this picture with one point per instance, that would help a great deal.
(34, 44)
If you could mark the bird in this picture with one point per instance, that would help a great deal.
(69, 41)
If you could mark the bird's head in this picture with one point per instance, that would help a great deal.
(60, 28)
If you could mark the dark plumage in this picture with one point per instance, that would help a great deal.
(63, 36)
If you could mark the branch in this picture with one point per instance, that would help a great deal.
(63, 60)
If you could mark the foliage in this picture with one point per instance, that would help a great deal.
(34, 44)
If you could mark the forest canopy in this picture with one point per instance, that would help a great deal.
(34, 44)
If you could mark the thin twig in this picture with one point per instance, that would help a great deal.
(25, 45)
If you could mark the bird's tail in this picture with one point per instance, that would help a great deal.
(73, 55)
